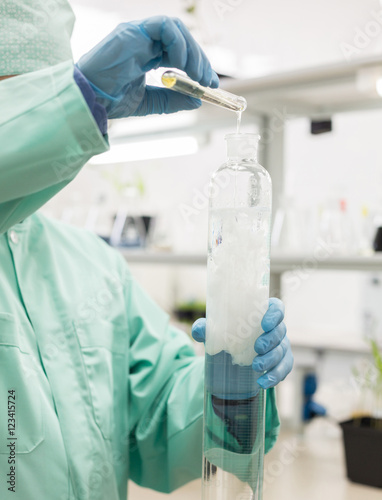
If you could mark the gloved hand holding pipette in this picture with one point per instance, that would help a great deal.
(116, 68)
(274, 356)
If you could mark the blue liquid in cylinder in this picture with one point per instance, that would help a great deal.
(233, 447)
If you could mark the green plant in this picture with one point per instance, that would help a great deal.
(188, 312)
(191, 306)
(115, 175)
(368, 377)
(377, 356)
(190, 7)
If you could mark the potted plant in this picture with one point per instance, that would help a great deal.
(363, 433)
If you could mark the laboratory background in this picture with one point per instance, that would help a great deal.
(311, 73)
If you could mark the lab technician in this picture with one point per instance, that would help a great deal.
(95, 386)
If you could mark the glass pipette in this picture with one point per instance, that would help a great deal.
(180, 83)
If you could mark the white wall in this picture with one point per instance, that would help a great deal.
(346, 163)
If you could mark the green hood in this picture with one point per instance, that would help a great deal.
(34, 34)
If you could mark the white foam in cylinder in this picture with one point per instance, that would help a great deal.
(238, 280)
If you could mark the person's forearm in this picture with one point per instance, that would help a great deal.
(97, 110)
(60, 138)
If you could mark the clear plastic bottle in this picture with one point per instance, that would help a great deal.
(237, 298)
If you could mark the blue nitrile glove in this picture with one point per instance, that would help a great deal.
(274, 356)
(117, 66)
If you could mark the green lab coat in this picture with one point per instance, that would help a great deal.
(100, 386)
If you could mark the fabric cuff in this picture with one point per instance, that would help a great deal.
(97, 110)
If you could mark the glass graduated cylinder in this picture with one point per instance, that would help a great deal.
(237, 299)
(181, 83)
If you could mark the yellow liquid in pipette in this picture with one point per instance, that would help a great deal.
(184, 85)
(168, 81)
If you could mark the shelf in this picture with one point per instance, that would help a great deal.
(282, 263)
(332, 344)
(279, 263)
(163, 257)
(320, 90)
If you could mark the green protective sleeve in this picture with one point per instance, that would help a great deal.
(272, 420)
(166, 400)
(47, 134)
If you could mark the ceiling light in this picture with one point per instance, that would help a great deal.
(147, 150)
(378, 86)
(151, 124)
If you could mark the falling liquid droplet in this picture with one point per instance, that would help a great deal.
(238, 121)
